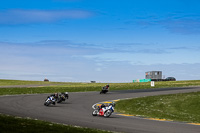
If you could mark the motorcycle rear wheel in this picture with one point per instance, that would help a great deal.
(94, 113)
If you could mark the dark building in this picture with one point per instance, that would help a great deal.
(46, 80)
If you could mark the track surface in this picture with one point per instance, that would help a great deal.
(77, 110)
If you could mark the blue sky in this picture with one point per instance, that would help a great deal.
(101, 40)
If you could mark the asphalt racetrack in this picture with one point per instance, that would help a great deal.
(77, 110)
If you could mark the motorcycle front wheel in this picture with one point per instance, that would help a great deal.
(46, 103)
(107, 113)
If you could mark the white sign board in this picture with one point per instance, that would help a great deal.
(152, 83)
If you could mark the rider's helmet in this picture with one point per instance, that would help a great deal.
(66, 94)
(56, 94)
(107, 85)
(103, 105)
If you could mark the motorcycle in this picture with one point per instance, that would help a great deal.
(62, 97)
(50, 100)
(105, 111)
(104, 90)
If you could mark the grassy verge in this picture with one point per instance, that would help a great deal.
(4, 82)
(82, 87)
(178, 107)
(9, 124)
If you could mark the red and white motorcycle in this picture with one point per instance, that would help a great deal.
(103, 110)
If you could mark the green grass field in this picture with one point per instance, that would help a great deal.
(82, 87)
(10, 124)
(178, 107)
(4, 82)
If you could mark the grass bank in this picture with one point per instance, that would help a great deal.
(10, 124)
(82, 87)
(4, 82)
(178, 107)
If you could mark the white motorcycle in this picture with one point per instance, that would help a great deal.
(50, 100)
(103, 110)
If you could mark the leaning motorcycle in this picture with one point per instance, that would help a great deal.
(62, 97)
(103, 90)
(50, 100)
(105, 111)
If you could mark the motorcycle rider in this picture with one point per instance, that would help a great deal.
(100, 109)
(106, 87)
(102, 106)
(55, 95)
(65, 94)
(52, 98)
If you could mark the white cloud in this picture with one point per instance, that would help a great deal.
(35, 61)
(21, 16)
(175, 23)
(98, 69)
